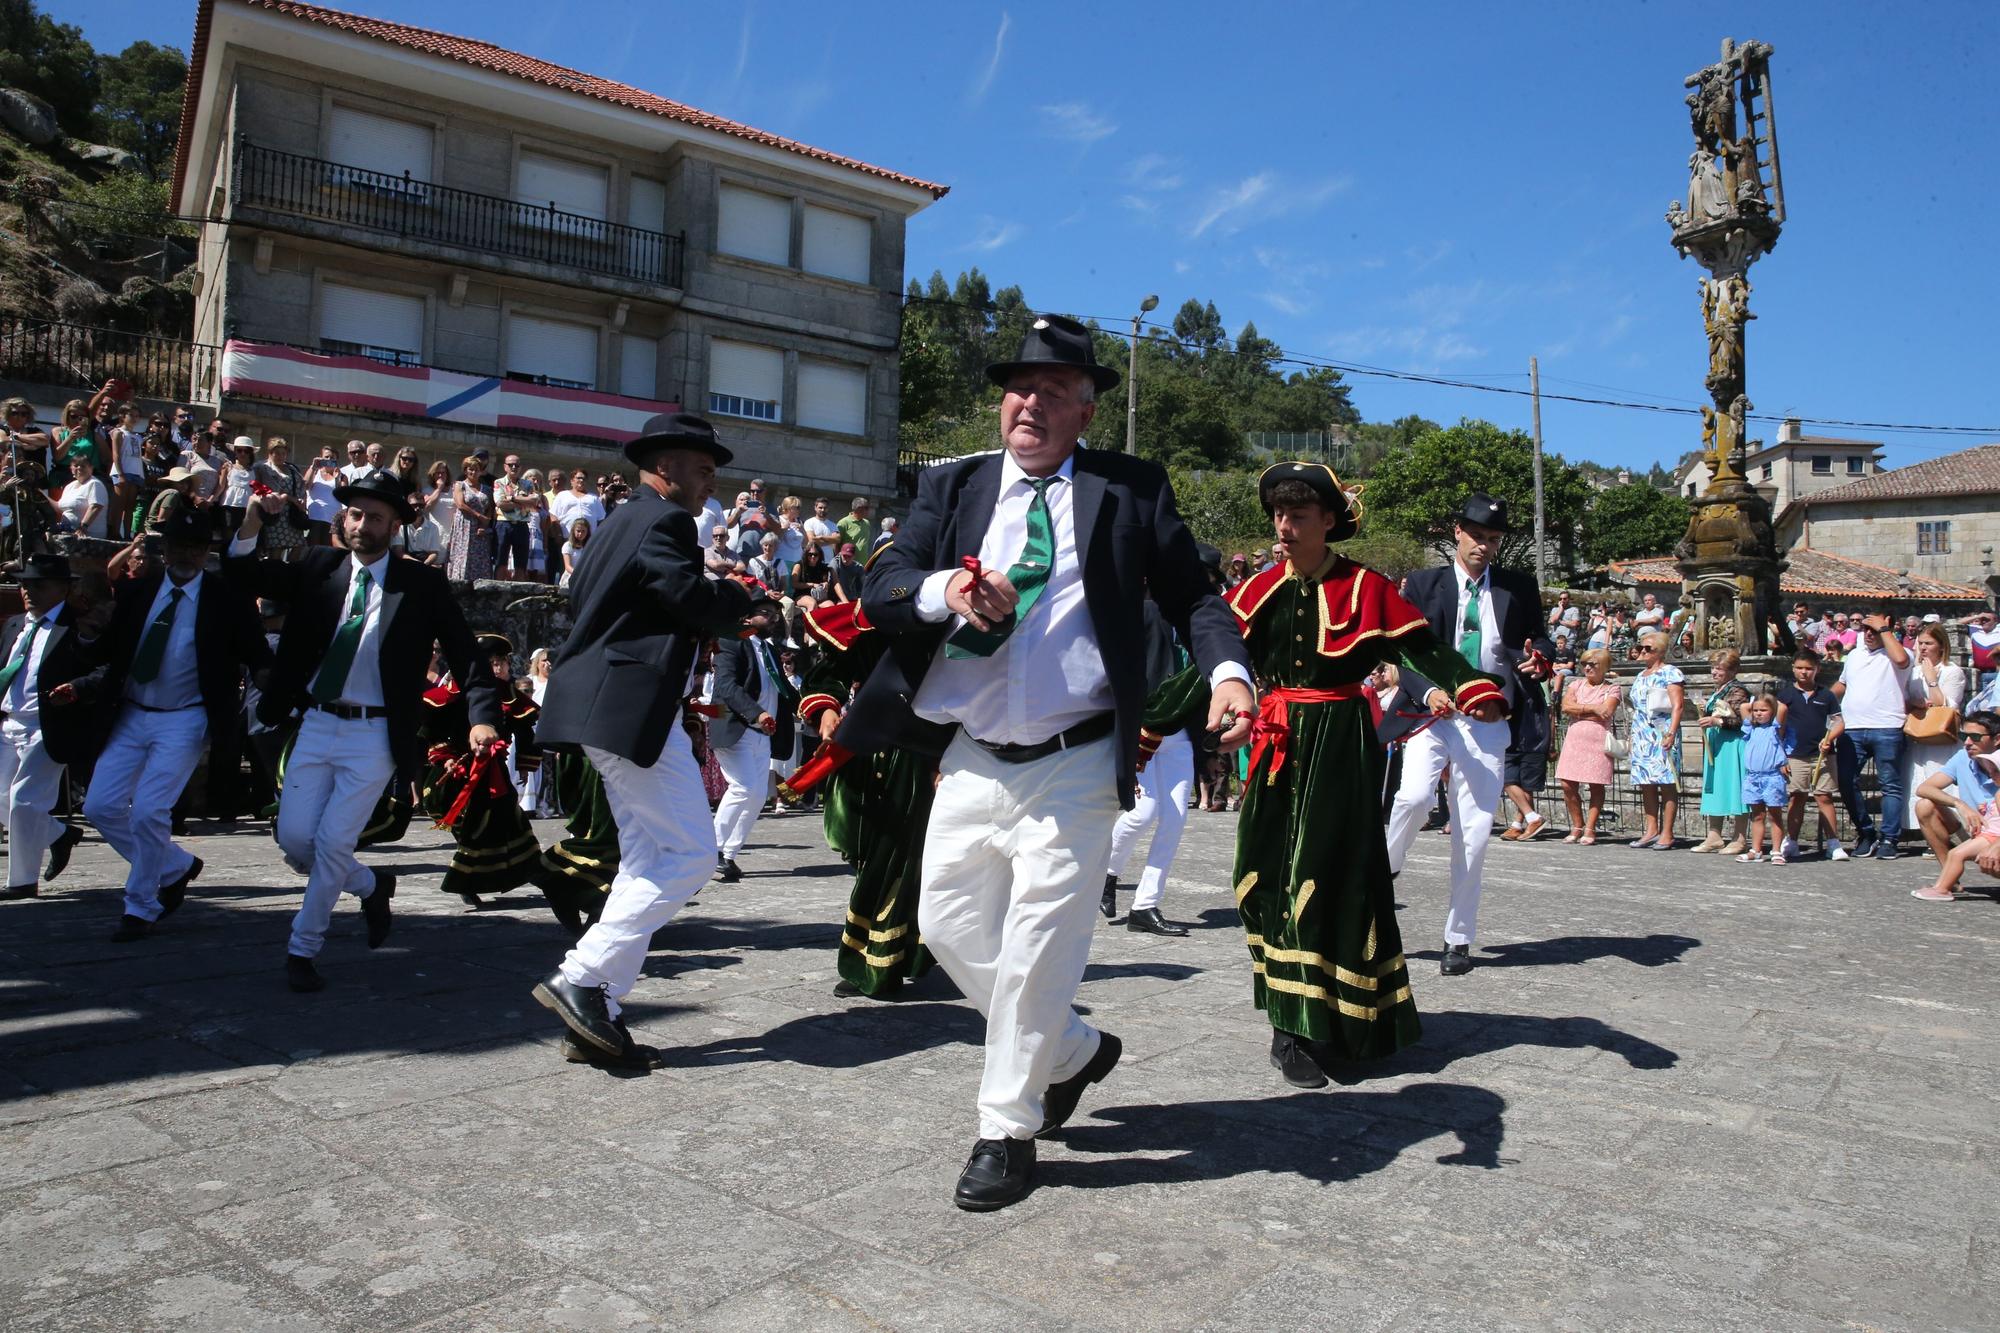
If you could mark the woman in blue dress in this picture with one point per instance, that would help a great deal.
(1657, 700)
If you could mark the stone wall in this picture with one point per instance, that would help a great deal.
(1884, 532)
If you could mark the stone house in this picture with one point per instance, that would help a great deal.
(1797, 465)
(1937, 519)
(1823, 579)
(429, 240)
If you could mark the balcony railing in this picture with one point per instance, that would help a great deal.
(421, 211)
(48, 352)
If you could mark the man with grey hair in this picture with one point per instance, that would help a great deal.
(887, 535)
(854, 529)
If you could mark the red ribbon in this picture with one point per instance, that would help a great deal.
(1272, 731)
(825, 761)
(487, 769)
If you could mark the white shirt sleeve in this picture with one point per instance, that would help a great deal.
(930, 596)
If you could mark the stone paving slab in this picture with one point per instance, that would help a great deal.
(1678, 1092)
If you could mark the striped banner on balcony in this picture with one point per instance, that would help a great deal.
(348, 383)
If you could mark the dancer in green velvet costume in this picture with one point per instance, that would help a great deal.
(495, 848)
(1312, 870)
(576, 871)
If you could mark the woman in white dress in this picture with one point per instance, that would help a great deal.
(1944, 685)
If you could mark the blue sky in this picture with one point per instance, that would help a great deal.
(1446, 189)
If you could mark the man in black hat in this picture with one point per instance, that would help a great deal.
(1494, 618)
(750, 688)
(44, 728)
(641, 606)
(352, 656)
(1011, 598)
(172, 667)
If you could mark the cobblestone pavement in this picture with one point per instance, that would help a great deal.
(1677, 1093)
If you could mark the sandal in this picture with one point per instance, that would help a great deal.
(1926, 896)
(1777, 858)
(1573, 836)
(1749, 858)
(1587, 840)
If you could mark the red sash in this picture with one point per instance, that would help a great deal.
(1271, 731)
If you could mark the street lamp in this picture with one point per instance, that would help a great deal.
(1132, 379)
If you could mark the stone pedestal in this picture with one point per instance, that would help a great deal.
(1729, 572)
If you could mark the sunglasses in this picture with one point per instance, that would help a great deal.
(1970, 736)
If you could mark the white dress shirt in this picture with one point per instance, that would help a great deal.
(1489, 631)
(178, 684)
(1046, 676)
(767, 675)
(364, 678)
(24, 697)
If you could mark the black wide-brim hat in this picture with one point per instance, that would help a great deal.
(676, 430)
(1055, 340)
(1483, 511)
(45, 565)
(1342, 501)
(187, 526)
(378, 485)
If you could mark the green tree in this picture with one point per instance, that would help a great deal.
(1416, 491)
(1183, 421)
(1368, 443)
(139, 101)
(51, 60)
(1626, 522)
(1221, 508)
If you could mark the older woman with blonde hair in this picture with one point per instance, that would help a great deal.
(1590, 702)
(1658, 698)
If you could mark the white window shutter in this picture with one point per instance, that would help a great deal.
(754, 225)
(638, 366)
(646, 205)
(552, 347)
(379, 321)
(833, 396)
(745, 380)
(379, 143)
(836, 244)
(573, 187)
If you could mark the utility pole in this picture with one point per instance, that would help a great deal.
(1535, 386)
(1132, 379)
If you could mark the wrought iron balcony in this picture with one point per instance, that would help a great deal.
(51, 352)
(401, 206)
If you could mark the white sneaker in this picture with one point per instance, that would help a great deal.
(1790, 851)
(1834, 851)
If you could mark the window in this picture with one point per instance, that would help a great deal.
(836, 244)
(377, 153)
(383, 326)
(552, 351)
(1934, 538)
(745, 381)
(754, 225)
(1822, 465)
(638, 366)
(1857, 466)
(1767, 472)
(833, 396)
(573, 187)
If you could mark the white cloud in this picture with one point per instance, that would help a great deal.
(1139, 203)
(993, 234)
(1228, 204)
(1261, 198)
(984, 83)
(1154, 171)
(1183, 266)
(1076, 122)
(742, 50)
(1287, 302)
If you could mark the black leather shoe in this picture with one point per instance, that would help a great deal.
(1059, 1102)
(60, 849)
(583, 1008)
(846, 989)
(632, 1056)
(1290, 1059)
(1456, 960)
(174, 894)
(375, 908)
(997, 1174)
(131, 928)
(21, 891)
(1108, 904)
(301, 975)
(1148, 921)
(726, 870)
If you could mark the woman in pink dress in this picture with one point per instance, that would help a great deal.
(1589, 703)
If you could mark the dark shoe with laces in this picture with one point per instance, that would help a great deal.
(1886, 850)
(1456, 960)
(375, 908)
(632, 1055)
(1866, 847)
(21, 891)
(1148, 921)
(998, 1173)
(1289, 1058)
(174, 894)
(1108, 903)
(583, 1008)
(726, 870)
(60, 849)
(131, 928)
(1059, 1102)
(301, 975)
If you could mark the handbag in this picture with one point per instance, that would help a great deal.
(1939, 722)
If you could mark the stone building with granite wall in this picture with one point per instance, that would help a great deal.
(1938, 519)
(427, 240)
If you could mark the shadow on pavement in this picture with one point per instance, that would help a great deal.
(1163, 971)
(864, 1034)
(1456, 1035)
(1570, 950)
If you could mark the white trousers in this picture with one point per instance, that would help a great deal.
(1163, 806)
(1477, 753)
(747, 766)
(666, 850)
(1013, 863)
(335, 776)
(32, 782)
(144, 767)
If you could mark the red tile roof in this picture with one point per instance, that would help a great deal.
(1973, 471)
(484, 55)
(1820, 574)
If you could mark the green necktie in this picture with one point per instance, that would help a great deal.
(1029, 575)
(20, 658)
(332, 677)
(153, 648)
(1470, 639)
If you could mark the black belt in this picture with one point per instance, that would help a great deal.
(1083, 733)
(353, 712)
(148, 708)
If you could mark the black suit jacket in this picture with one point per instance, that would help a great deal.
(1518, 620)
(70, 733)
(1131, 542)
(418, 604)
(739, 679)
(227, 637)
(641, 604)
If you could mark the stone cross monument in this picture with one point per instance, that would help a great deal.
(1736, 205)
